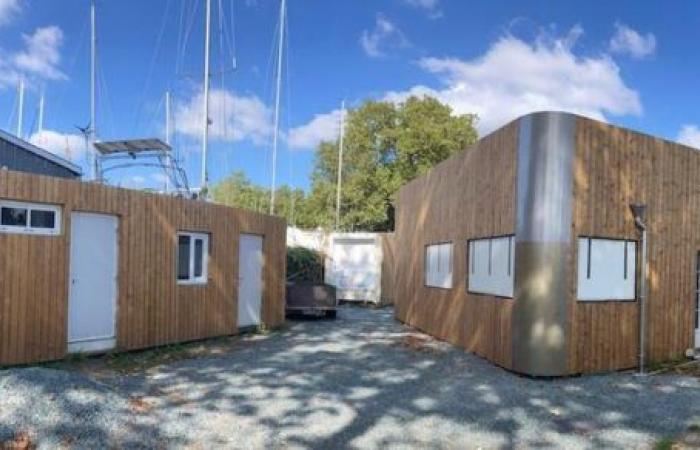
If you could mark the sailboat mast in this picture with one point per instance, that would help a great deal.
(167, 141)
(40, 128)
(205, 124)
(93, 77)
(20, 112)
(340, 165)
(280, 50)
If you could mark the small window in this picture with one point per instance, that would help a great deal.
(438, 265)
(43, 219)
(192, 256)
(491, 264)
(606, 269)
(183, 257)
(198, 257)
(29, 218)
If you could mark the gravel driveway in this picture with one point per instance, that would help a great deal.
(359, 382)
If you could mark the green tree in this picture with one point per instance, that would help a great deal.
(237, 190)
(386, 145)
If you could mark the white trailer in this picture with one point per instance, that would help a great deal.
(354, 266)
(355, 263)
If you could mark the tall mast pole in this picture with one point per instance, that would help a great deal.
(167, 141)
(340, 165)
(280, 50)
(20, 112)
(93, 76)
(40, 128)
(205, 124)
(167, 117)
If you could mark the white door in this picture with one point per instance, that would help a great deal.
(250, 265)
(356, 269)
(93, 282)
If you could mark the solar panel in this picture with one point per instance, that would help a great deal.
(131, 146)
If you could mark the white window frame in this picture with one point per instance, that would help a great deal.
(28, 229)
(439, 277)
(496, 281)
(586, 271)
(204, 278)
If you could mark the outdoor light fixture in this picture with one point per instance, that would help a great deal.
(639, 213)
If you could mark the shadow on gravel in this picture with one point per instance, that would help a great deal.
(360, 381)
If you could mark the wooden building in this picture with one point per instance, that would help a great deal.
(523, 249)
(87, 267)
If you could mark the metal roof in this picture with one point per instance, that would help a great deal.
(21, 143)
(131, 146)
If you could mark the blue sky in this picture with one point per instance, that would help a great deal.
(628, 62)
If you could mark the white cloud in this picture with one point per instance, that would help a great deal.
(42, 56)
(323, 127)
(133, 181)
(425, 4)
(8, 74)
(514, 78)
(432, 7)
(384, 37)
(8, 9)
(233, 117)
(689, 135)
(159, 178)
(66, 145)
(142, 180)
(630, 42)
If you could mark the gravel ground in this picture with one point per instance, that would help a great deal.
(363, 381)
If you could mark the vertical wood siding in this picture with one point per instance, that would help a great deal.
(388, 267)
(613, 168)
(152, 309)
(470, 195)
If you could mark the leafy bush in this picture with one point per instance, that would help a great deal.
(304, 265)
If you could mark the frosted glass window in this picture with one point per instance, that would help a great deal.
(438, 265)
(491, 266)
(606, 269)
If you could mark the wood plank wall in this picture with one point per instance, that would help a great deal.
(388, 267)
(469, 195)
(614, 167)
(152, 308)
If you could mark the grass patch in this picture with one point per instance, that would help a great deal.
(665, 443)
(145, 359)
(129, 361)
(140, 360)
(667, 366)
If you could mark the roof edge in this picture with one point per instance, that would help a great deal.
(28, 146)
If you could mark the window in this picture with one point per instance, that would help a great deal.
(438, 265)
(606, 269)
(491, 266)
(29, 218)
(192, 255)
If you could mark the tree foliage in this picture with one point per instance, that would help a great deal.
(237, 190)
(304, 265)
(386, 145)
